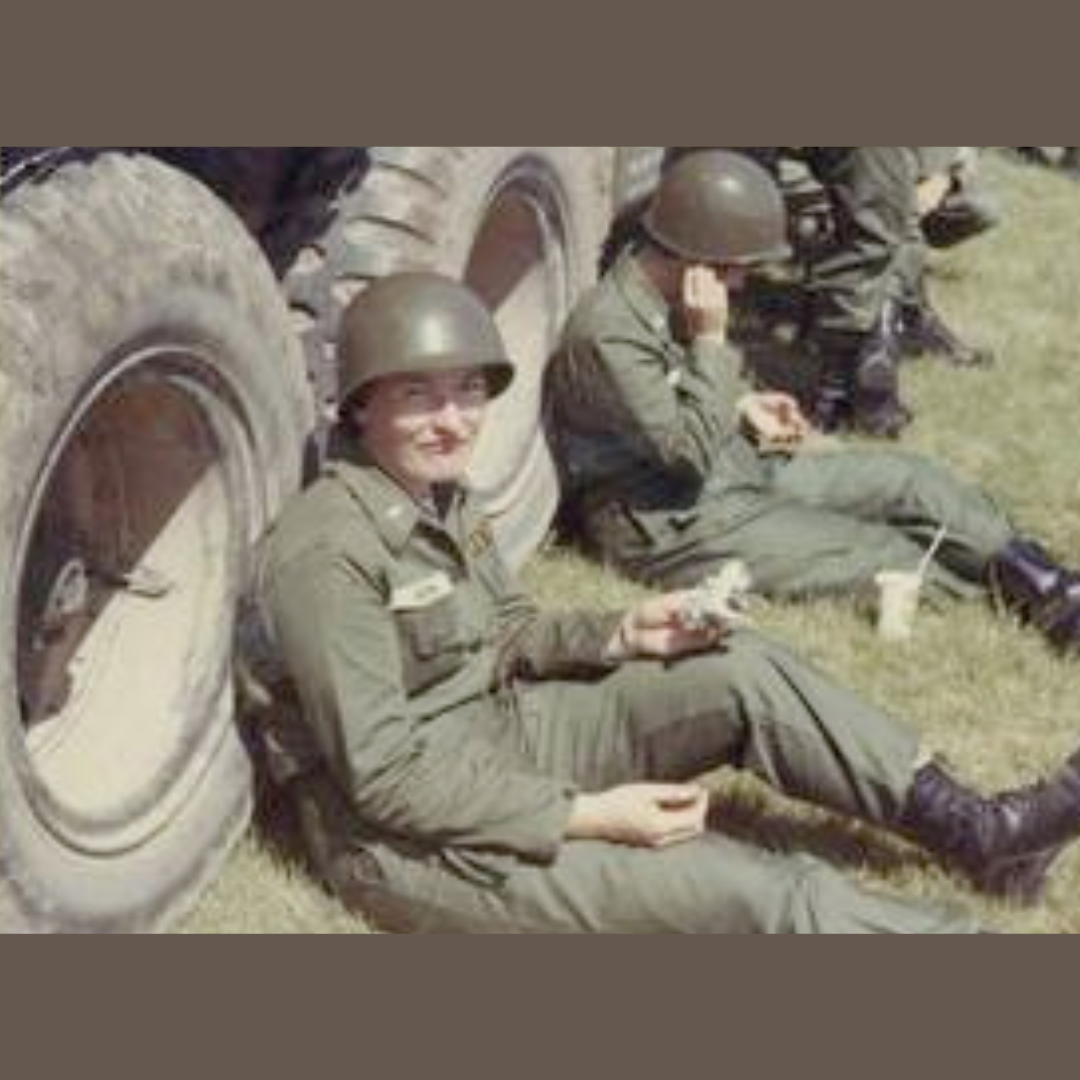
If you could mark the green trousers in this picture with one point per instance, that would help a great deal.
(754, 707)
(878, 251)
(828, 525)
(873, 191)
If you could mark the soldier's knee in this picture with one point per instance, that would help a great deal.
(774, 895)
(749, 670)
(823, 901)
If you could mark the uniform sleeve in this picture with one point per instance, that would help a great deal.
(342, 650)
(540, 645)
(717, 374)
(537, 645)
(684, 414)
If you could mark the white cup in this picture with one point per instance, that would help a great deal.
(900, 593)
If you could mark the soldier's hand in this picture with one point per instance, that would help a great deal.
(933, 192)
(657, 630)
(652, 816)
(775, 421)
(707, 305)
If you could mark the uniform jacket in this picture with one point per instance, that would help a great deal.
(406, 636)
(643, 419)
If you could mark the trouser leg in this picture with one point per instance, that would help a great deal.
(916, 327)
(754, 706)
(914, 495)
(873, 192)
(710, 886)
(794, 550)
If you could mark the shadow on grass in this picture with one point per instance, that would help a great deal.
(762, 821)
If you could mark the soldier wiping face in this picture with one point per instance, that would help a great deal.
(422, 429)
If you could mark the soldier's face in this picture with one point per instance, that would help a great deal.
(423, 429)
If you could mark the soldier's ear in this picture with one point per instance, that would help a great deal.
(354, 417)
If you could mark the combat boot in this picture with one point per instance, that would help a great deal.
(878, 410)
(1026, 579)
(1005, 844)
(859, 389)
(963, 216)
(920, 330)
(834, 400)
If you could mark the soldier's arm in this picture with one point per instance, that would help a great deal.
(534, 644)
(342, 649)
(540, 645)
(682, 415)
(718, 378)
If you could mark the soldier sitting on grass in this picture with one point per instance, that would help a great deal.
(483, 767)
(673, 466)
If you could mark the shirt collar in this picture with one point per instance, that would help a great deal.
(395, 513)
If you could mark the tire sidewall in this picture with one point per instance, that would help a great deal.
(572, 188)
(179, 296)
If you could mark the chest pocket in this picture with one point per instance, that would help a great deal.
(438, 635)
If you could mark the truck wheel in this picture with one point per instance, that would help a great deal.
(638, 171)
(523, 225)
(153, 412)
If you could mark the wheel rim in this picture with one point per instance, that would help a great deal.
(126, 572)
(519, 266)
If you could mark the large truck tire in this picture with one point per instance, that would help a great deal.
(154, 406)
(524, 226)
(638, 170)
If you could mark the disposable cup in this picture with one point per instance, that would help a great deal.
(899, 595)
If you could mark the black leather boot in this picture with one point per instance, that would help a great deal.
(964, 215)
(878, 410)
(834, 401)
(920, 330)
(1005, 844)
(1029, 581)
(860, 386)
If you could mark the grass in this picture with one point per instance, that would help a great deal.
(985, 693)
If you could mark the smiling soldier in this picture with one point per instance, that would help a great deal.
(488, 768)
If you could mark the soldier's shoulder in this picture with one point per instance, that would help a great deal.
(593, 312)
(319, 522)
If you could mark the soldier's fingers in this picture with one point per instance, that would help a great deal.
(661, 611)
(687, 826)
(697, 294)
(678, 795)
(671, 644)
(674, 840)
(717, 291)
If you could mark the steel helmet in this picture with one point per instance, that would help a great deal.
(719, 208)
(414, 324)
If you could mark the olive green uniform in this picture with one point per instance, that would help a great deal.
(665, 485)
(876, 244)
(458, 724)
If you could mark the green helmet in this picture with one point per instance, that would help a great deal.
(719, 208)
(415, 324)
